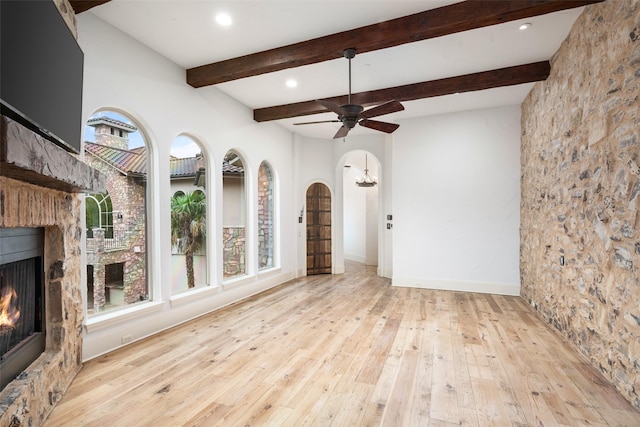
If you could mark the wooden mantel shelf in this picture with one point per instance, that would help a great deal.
(28, 157)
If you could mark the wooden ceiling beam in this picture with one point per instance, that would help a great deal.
(467, 15)
(80, 6)
(467, 83)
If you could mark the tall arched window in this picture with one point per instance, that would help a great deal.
(234, 216)
(188, 215)
(116, 220)
(265, 217)
(99, 214)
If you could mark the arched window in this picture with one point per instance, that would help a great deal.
(99, 214)
(188, 215)
(234, 216)
(265, 217)
(116, 220)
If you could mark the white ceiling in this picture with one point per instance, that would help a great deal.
(185, 31)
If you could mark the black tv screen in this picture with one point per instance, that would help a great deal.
(41, 68)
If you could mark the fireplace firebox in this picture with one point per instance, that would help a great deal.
(22, 324)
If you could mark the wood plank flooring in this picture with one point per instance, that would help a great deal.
(348, 350)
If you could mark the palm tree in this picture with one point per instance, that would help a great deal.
(188, 231)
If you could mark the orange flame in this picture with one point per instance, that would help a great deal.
(9, 314)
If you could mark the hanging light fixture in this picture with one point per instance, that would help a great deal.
(366, 180)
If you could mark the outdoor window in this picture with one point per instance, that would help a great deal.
(234, 216)
(188, 216)
(116, 226)
(265, 217)
(99, 214)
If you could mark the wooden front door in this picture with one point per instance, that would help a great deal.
(318, 229)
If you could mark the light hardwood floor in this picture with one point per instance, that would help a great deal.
(348, 350)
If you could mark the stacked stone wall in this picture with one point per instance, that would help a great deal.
(265, 217)
(28, 399)
(102, 134)
(233, 247)
(580, 218)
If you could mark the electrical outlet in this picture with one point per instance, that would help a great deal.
(126, 339)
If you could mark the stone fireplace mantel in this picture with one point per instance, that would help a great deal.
(28, 157)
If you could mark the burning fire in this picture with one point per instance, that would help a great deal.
(9, 314)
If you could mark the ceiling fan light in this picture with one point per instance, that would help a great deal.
(366, 180)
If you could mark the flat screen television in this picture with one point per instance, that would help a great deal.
(41, 70)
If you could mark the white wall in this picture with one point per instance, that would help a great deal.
(185, 185)
(122, 75)
(372, 225)
(355, 213)
(456, 201)
(234, 203)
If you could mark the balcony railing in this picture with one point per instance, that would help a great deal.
(119, 240)
(114, 240)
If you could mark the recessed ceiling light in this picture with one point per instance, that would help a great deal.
(291, 83)
(224, 19)
(524, 26)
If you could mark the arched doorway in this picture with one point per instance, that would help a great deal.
(318, 229)
(360, 208)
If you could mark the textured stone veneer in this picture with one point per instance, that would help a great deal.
(580, 218)
(28, 400)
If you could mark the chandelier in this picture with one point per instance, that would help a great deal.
(366, 180)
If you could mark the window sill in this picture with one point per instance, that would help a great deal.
(237, 281)
(102, 321)
(193, 295)
(268, 272)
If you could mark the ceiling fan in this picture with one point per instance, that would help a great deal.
(351, 114)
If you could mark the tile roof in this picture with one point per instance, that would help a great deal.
(230, 169)
(134, 162)
(185, 167)
(129, 162)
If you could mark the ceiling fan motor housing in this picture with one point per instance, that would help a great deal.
(349, 53)
(351, 114)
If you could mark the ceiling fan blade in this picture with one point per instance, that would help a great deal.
(331, 106)
(389, 107)
(342, 132)
(381, 126)
(321, 121)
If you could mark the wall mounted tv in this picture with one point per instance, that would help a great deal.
(41, 68)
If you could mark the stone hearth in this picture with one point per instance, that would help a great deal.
(40, 186)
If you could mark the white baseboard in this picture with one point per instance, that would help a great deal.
(354, 258)
(458, 285)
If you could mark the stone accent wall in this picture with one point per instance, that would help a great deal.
(233, 246)
(580, 217)
(265, 217)
(29, 399)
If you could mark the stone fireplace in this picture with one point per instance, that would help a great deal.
(40, 186)
(22, 328)
(40, 250)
